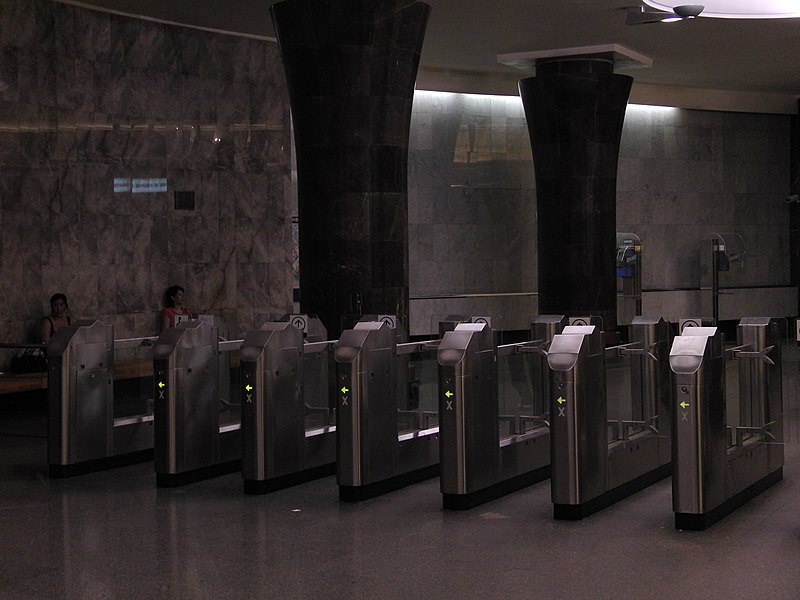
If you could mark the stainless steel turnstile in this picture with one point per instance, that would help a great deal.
(596, 461)
(717, 465)
(378, 447)
(288, 437)
(197, 429)
(84, 434)
(480, 461)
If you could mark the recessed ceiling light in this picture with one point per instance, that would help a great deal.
(741, 9)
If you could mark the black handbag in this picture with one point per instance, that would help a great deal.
(29, 360)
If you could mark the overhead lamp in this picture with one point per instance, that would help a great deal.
(740, 9)
(637, 15)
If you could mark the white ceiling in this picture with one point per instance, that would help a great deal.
(753, 62)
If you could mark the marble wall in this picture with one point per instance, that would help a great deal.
(88, 99)
(684, 175)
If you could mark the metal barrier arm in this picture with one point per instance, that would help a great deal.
(134, 342)
(316, 347)
(745, 352)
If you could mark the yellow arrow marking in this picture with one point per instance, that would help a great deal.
(448, 393)
(684, 404)
(561, 399)
(248, 387)
(161, 384)
(345, 389)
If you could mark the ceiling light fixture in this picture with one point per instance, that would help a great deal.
(637, 15)
(741, 9)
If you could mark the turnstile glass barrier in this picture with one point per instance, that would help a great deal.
(133, 377)
(318, 389)
(728, 421)
(99, 415)
(418, 408)
(230, 385)
(515, 395)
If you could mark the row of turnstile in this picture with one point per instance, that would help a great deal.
(285, 405)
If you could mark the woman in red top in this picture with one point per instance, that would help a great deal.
(174, 297)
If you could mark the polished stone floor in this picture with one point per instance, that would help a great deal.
(114, 535)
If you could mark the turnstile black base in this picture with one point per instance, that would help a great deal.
(497, 490)
(265, 486)
(99, 464)
(576, 512)
(701, 521)
(357, 493)
(178, 479)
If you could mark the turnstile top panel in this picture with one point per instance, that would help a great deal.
(351, 342)
(646, 320)
(280, 335)
(191, 334)
(755, 321)
(688, 352)
(578, 329)
(549, 319)
(80, 332)
(369, 325)
(455, 343)
(699, 331)
(565, 349)
(470, 326)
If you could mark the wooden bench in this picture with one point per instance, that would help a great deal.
(14, 383)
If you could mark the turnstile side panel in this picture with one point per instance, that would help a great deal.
(94, 418)
(165, 418)
(699, 446)
(452, 476)
(319, 450)
(285, 416)
(197, 433)
(746, 468)
(418, 453)
(578, 446)
(133, 438)
(58, 412)
(379, 448)
(632, 459)
(253, 422)
(348, 425)
(528, 455)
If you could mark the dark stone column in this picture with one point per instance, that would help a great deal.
(575, 108)
(351, 67)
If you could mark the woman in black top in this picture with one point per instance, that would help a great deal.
(58, 317)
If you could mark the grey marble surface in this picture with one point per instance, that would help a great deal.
(91, 97)
(683, 176)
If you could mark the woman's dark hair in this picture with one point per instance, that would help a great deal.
(59, 296)
(169, 293)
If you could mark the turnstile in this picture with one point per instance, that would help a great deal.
(717, 467)
(83, 433)
(285, 439)
(478, 461)
(596, 461)
(375, 451)
(197, 432)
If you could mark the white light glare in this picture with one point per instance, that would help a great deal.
(740, 9)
